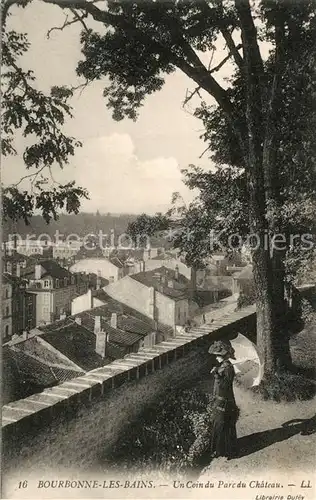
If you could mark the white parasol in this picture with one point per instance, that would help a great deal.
(247, 364)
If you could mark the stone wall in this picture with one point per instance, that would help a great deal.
(74, 425)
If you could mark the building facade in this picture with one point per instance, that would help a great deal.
(54, 288)
(110, 269)
(162, 295)
(6, 319)
(19, 307)
(66, 250)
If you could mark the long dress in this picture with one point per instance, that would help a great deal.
(223, 435)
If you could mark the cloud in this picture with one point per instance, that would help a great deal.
(118, 181)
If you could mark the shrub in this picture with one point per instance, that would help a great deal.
(170, 436)
(246, 297)
(307, 311)
(287, 387)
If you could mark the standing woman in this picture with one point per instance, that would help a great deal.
(223, 441)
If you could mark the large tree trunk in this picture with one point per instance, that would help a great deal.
(253, 154)
(266, 320)
(281, 311)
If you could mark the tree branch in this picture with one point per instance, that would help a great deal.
(61, 28)
(198, 72)
(221, 64)
(249, 38)
(270, 140)
(205, 150)
(34, 174)
(226, 35)
(189, 97)
(76, 19)
(232, 47)
(5, 7)
(81, 19)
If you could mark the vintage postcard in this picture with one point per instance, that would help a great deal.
(158, 267)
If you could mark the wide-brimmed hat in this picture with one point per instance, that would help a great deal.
(222, 348)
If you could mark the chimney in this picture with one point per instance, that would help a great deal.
(90, 298)
(152, 302)
(62, 315)
(170, 284)
(38, 271)
(25, 335)
(114, 320)
(101, 343)
(97, 324)
(176, 272)
(98, 280)
(142, 265)
(18, 270)
(78, 320)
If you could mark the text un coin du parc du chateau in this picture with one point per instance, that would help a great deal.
(138, 484)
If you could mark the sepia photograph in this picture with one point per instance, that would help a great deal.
(158, 249)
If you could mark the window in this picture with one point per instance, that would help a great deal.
(65, 282)
(57, 283)
(7, 311)
(6, 293)
(6, 330)
(179, 314)
(46, 284)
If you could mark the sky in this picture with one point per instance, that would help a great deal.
(126, 166)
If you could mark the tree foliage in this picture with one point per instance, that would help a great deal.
(40, 119)
(145, 226)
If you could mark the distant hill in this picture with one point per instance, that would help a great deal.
(81, 225)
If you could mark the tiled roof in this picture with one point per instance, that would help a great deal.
(100, 294)
(17, 385)
(179, 289)
(37, 372)
(121, 337)
(33, 346)
(116, 262)
(51, 268)
(135, 328)
(78, 344)
(123, 308)
(116, 351)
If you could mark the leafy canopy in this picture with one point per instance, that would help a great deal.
(39, 118)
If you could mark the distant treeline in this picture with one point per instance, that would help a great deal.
(81, 225)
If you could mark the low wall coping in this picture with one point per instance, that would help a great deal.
(84, 384)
